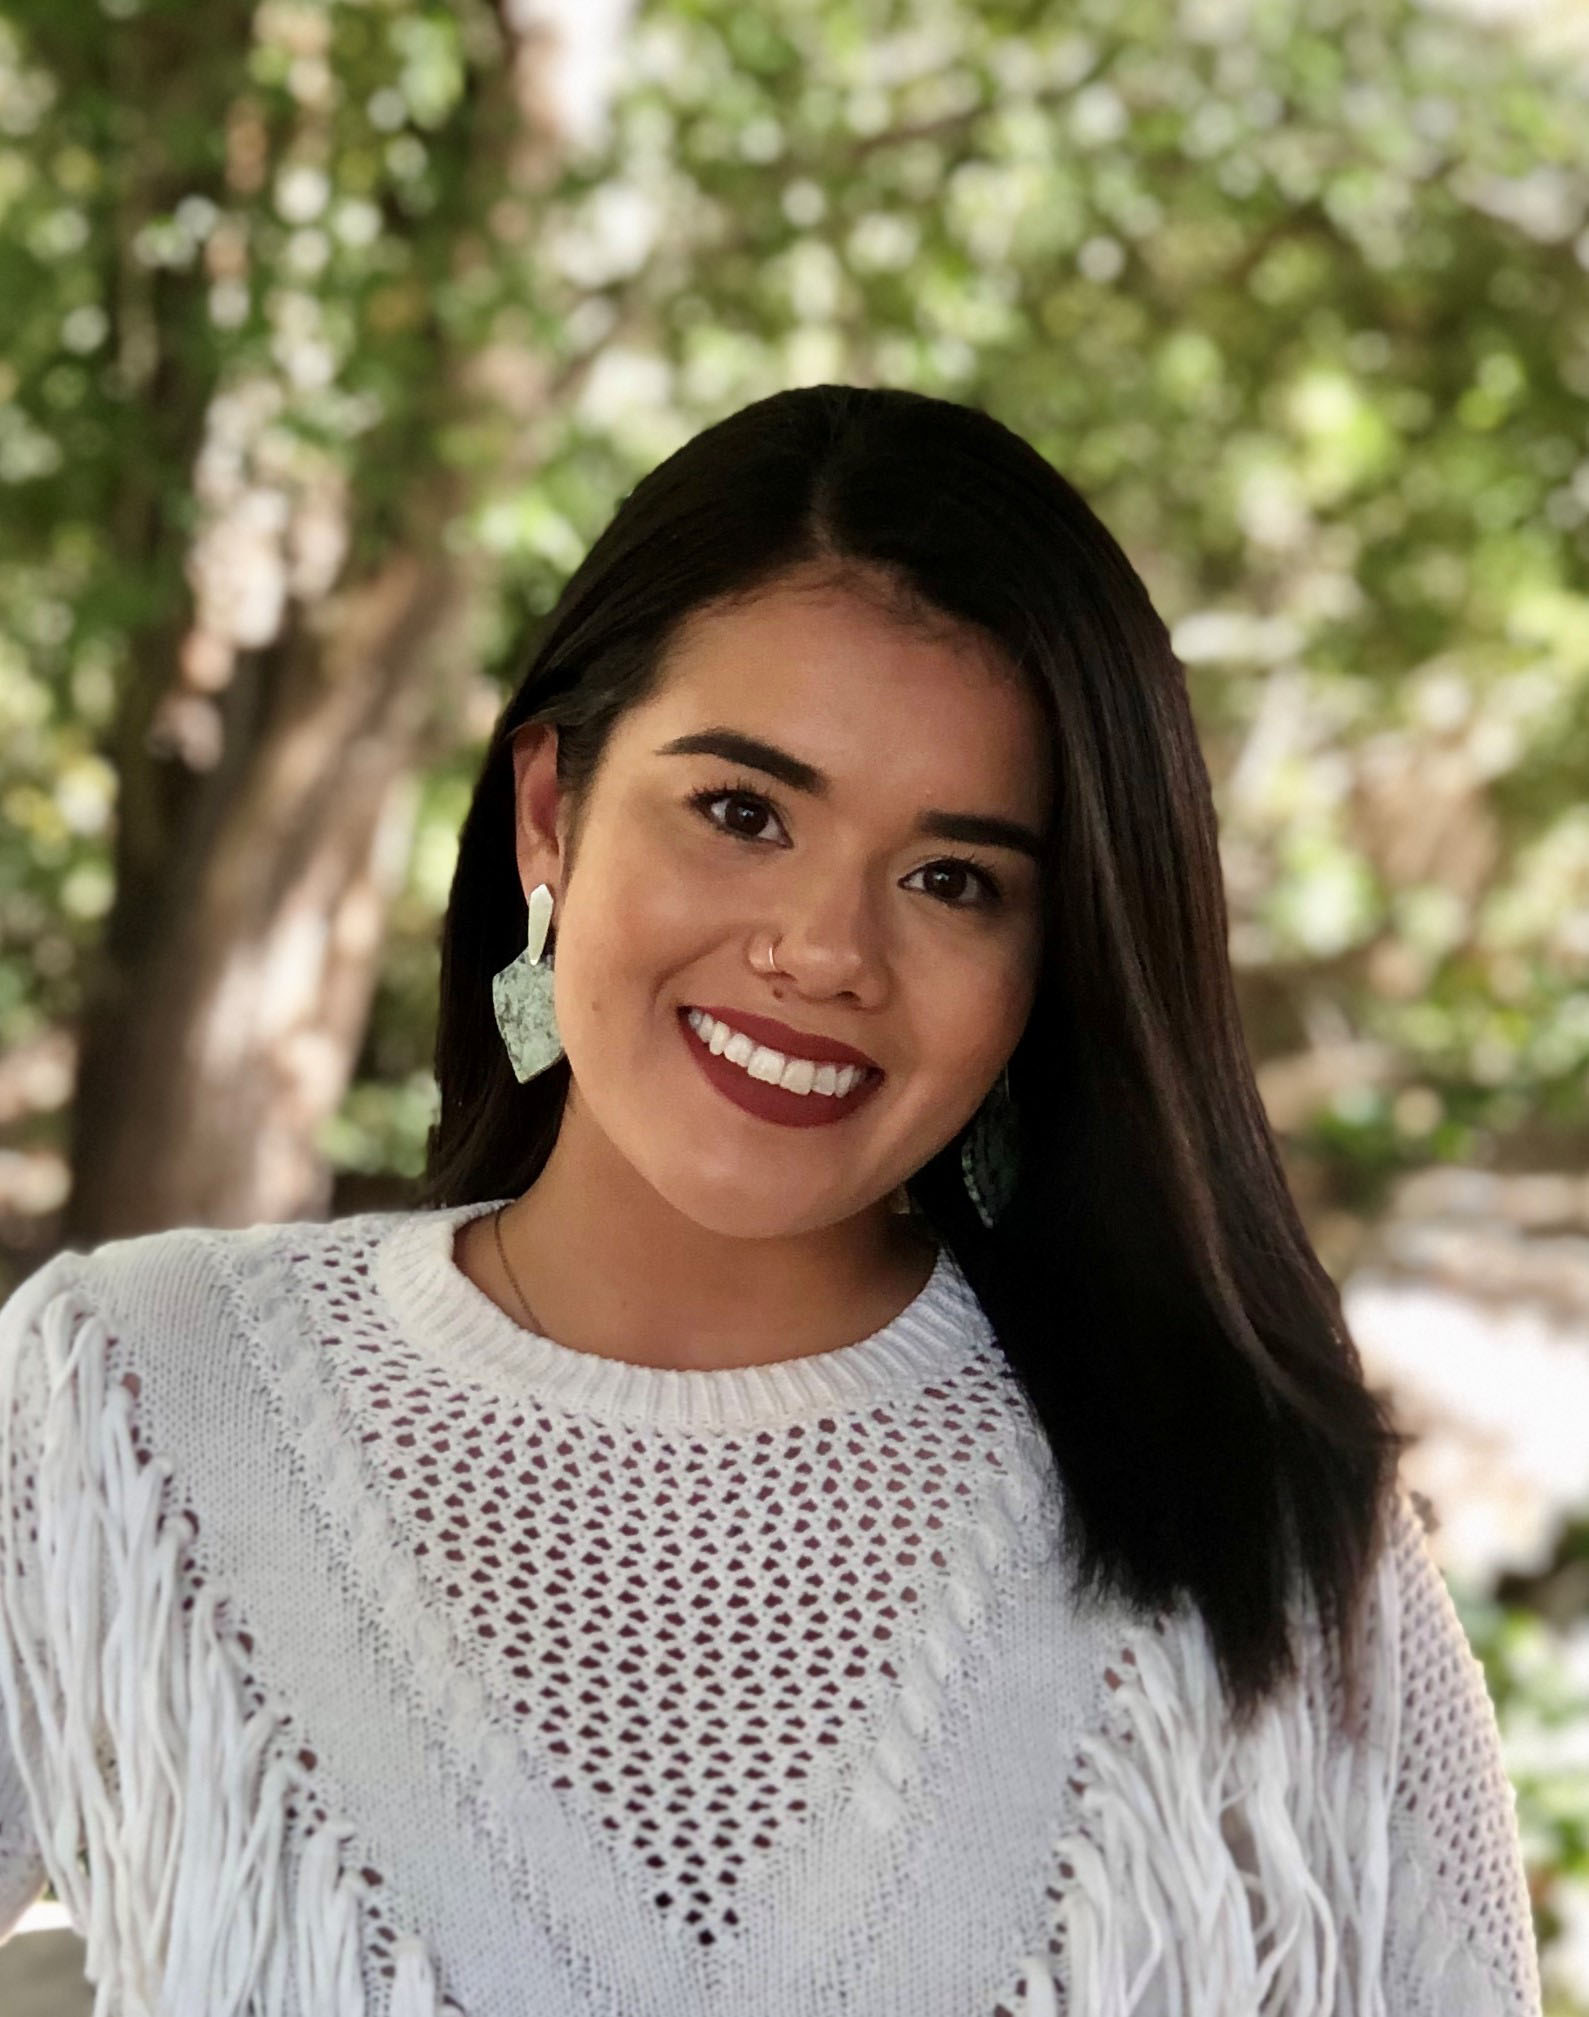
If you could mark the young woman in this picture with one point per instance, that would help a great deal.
(851, 1491)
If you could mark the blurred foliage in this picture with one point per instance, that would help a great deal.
(1297, 291)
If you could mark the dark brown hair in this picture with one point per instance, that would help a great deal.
(1152, 1283)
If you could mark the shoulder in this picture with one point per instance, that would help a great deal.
(1449, 1752)
(189, 1282)
(1417, 1662)
(1459, 1927)
(1436, 1665)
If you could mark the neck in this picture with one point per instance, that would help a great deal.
(609, 1267)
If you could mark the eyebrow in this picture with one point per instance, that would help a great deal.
(977, 829)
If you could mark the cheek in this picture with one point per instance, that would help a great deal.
(637, 910)
(971, 1023)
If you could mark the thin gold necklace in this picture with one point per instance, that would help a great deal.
(496, 1220)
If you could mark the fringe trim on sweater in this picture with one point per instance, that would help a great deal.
(161, 1799)
(1217, 1876)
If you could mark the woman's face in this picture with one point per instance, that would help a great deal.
(918, 948)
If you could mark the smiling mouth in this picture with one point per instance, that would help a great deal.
(801, 1076)
(752, 1085)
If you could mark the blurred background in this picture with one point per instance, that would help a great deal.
(331, 331)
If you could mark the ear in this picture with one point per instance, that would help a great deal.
(540, 815)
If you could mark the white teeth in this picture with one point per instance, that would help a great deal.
(797, 1075)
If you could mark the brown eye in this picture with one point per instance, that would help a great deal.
(746, 817)
(952, 879)
(958, 877)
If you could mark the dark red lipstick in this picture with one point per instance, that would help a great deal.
(777, 1103)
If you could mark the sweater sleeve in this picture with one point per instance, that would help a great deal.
(1459, 1929)
(22, 1397)
(21, 1864)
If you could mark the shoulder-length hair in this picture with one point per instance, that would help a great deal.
(1151, 1284)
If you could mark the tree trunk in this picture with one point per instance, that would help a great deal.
(223, 1032)
(264, 815)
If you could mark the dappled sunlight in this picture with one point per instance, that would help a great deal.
(322, 372)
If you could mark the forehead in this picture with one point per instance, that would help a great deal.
(870, 693)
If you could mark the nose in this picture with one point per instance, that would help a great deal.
(832, 943)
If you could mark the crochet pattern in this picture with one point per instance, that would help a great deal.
(436, 1667)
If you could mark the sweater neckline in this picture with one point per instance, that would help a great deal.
(453, 1324)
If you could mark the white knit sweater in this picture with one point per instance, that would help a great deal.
(363, 1652)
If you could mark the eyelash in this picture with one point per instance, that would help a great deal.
(993, 894)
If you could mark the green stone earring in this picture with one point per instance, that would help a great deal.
(522, 996)
(990, 1155)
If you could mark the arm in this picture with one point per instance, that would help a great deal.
(21, 1865)
(1459, 1933)
(22, 1871)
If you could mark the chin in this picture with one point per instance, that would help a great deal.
(734, 1215)
(737, 1221)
